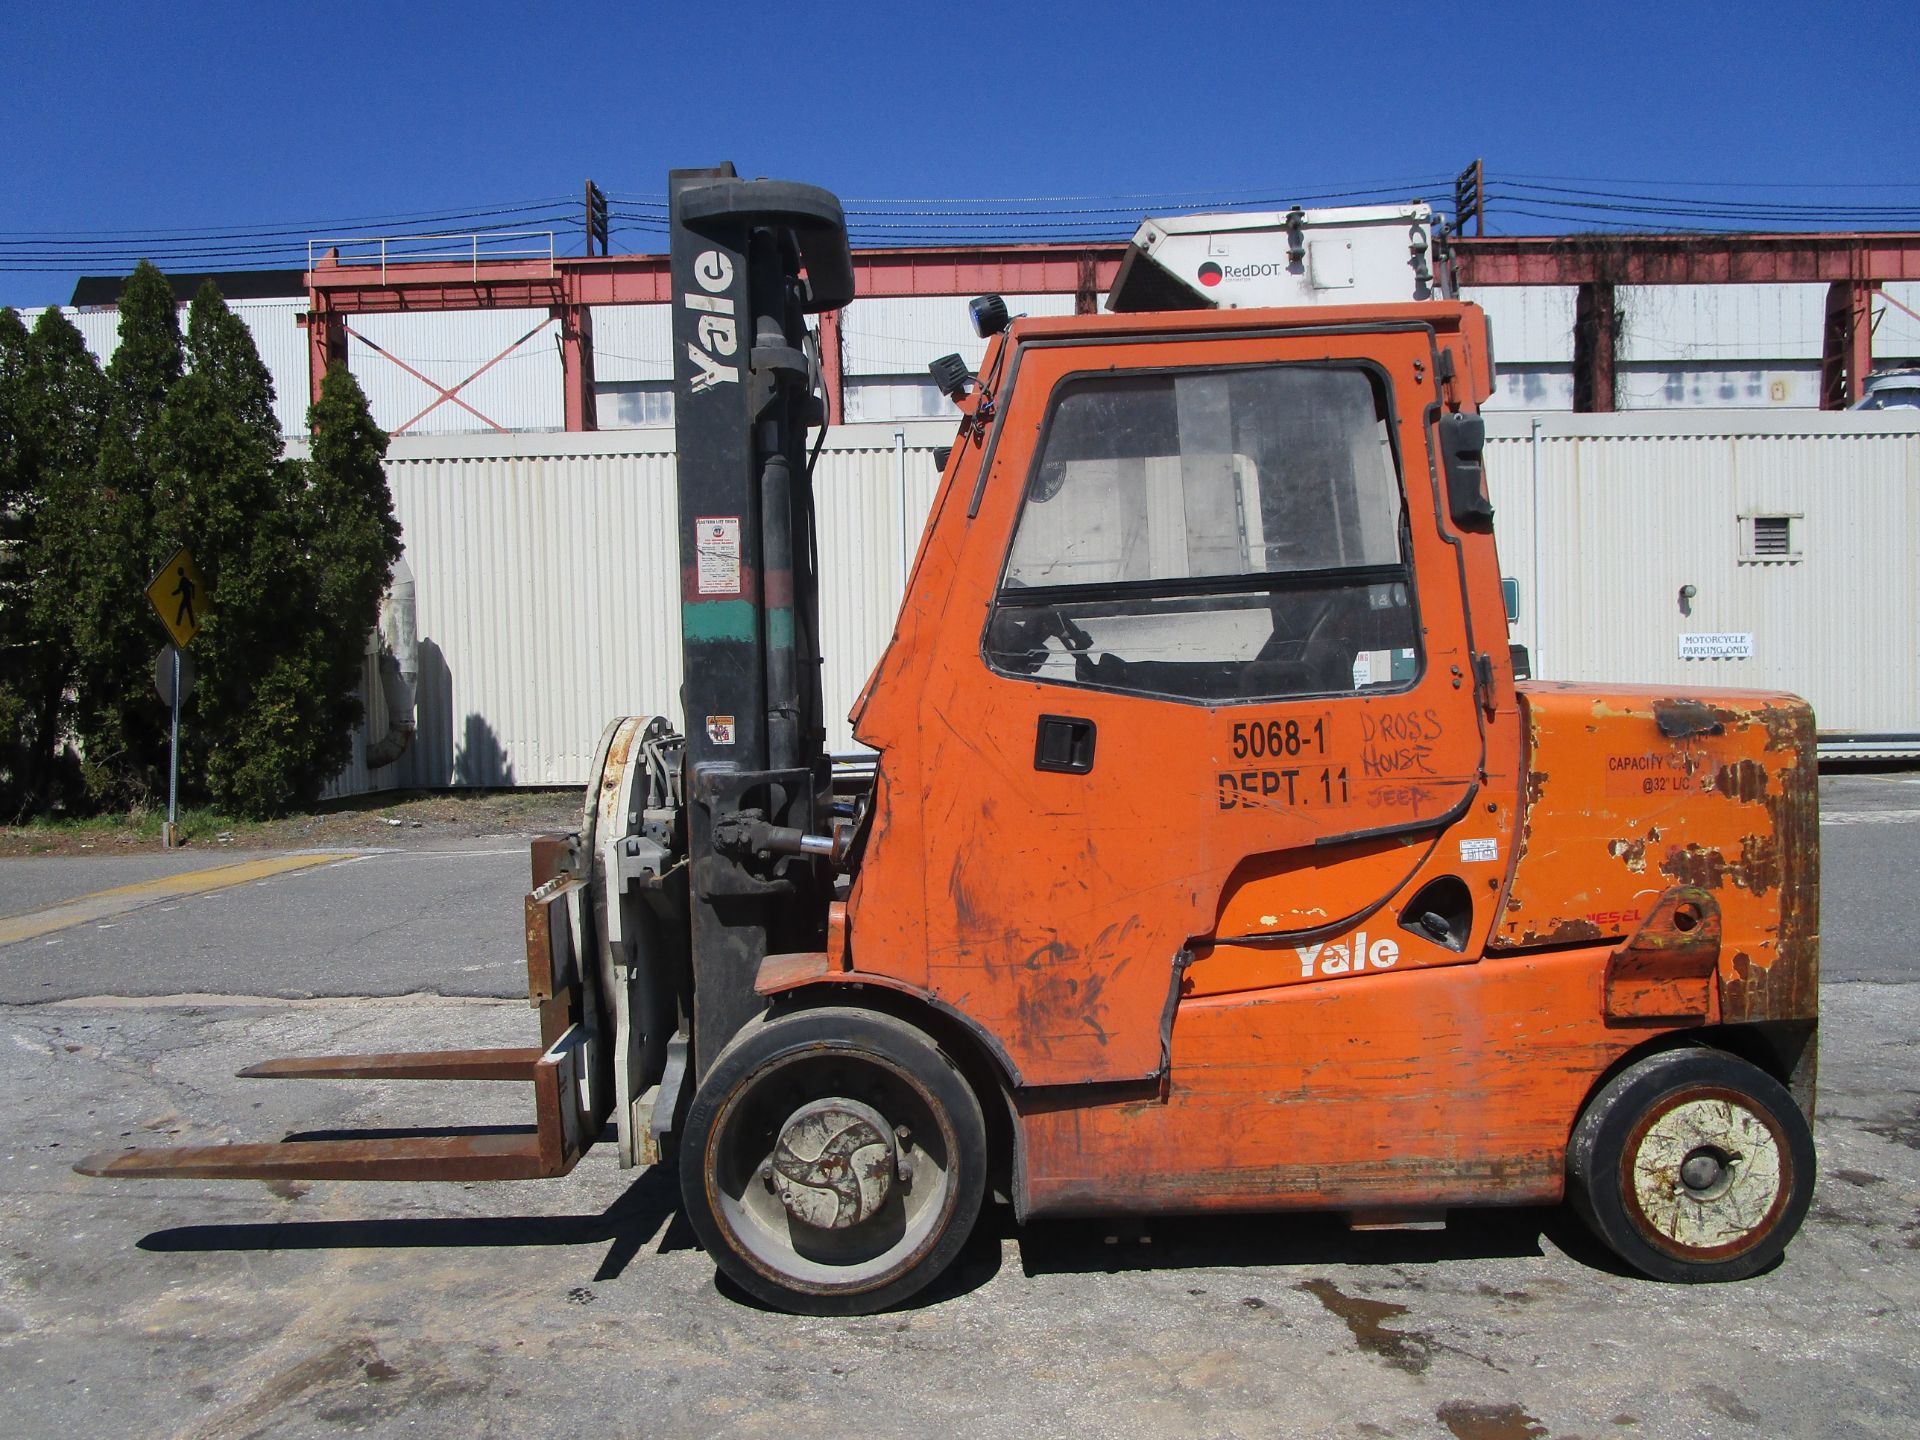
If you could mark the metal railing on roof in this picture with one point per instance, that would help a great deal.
(475, 248)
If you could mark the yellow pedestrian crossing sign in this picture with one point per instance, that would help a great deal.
(181, 594)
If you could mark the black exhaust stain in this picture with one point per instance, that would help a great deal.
(1408, 1350)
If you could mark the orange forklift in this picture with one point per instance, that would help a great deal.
(1213, 858)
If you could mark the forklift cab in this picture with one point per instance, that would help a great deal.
(1141, 702)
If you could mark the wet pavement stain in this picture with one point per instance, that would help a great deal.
(1730, 1404)
(1902, 1130)
(1862, 1178)
(1494, 1292)
(1468, 1421)
(1408, 1350)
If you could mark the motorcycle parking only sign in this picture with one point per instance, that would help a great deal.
(1707, 645)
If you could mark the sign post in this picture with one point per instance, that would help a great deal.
(180, 594)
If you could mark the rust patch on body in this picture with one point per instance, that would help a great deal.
(1787, 988)
(1568, 931)
(1632, 853)
(1744, 781)
(1695, 865)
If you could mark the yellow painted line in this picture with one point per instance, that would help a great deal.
(102, 904)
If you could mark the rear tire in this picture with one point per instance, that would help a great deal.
(833, 1161)
(1692, 1166)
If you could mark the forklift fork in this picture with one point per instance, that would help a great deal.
(572, 1097)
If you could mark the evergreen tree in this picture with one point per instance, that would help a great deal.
(102, 476)
(351, 539)
(55, 410)
(150, 358)
(65, 414)
(15, 746)
(223, 490)
(112, 551)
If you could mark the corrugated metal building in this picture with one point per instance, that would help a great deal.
(548, 600)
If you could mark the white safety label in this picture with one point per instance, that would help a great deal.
(716, 546)
(1477, 851)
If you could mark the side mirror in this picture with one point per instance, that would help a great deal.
(1463, 442)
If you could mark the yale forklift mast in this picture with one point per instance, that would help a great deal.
(1214, 858)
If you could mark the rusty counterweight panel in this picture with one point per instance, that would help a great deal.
(1420, 1089)
(1632, 793)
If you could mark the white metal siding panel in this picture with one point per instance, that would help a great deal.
(873, 503)
(1716, 385)
(1896, 333)
(632, 342)
(548, 602)
(275, 327)
(902, 336)
(1635, 507)
(548, 597)
(1532, 388)
(1531, 324)
(547, 585)
(99, 328)
(1722, 323)
(522, 392)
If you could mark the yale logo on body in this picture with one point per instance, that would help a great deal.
(181, 594)
(718, 331)
(1342, 959)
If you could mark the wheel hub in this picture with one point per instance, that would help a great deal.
(1707, 1175)
(1703, 1170)
(834, 1164)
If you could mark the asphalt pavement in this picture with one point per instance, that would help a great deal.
(230, 1309)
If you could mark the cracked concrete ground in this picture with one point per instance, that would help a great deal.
(236, 1309)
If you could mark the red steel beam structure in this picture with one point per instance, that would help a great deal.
(1852, 265)
(568, 289)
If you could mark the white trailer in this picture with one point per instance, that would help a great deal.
(1356, 255)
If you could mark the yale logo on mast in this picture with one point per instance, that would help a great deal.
(718, 331)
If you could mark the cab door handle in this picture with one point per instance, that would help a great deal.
(1064, 743)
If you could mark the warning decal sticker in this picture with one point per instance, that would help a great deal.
(716, 544)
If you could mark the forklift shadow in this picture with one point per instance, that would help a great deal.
(1294, 1239)
(648, 1210)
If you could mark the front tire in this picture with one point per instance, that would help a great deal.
(833, 1161)
(1692, 1166)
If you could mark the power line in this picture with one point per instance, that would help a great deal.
(296, 227)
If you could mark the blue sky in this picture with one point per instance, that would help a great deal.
(127, 125)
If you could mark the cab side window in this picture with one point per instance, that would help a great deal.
(1212, 536)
